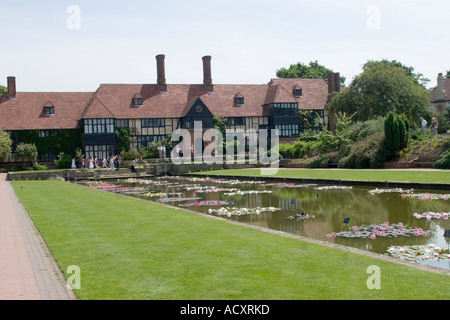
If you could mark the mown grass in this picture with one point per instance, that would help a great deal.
(429, 176)
(132, 249)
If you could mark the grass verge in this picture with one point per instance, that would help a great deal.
(133, 250)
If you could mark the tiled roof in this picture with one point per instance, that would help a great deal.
(27, 112)
(315, 92)
(117, 99)
(446, 88)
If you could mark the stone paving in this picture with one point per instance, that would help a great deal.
(27, 268)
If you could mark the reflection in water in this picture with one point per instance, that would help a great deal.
(329, 206)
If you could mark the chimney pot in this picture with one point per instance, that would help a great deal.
(207, 80)
(12, 88)
(161, 81)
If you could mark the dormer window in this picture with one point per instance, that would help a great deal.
(298, 92)
(239, 100)
(137, 100)
(49, 109)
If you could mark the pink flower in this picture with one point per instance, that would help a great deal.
(353, 228)
(373, 236)
(424, 234)
(328, 235)
(400, 224)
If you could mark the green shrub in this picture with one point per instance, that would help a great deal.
(129, 155)
(27, 152)
(368, 153)
(321, 162)
(40, 167)
(444, 161)
(64, 161)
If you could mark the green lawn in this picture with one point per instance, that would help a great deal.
(133, 249)
(358, 175)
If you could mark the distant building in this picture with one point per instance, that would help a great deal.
(154, 111)
(440, 95)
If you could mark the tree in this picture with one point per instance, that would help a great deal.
(5, 144)
(27, 152)
(396, 132)
(409, 71)
(383, 87)
(311, 71)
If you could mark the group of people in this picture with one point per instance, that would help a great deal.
(433, 126)
(112, 163)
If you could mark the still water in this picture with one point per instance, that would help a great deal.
(309, 210)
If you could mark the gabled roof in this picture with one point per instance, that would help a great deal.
(315, 92)
(116, 100)
(26, 112)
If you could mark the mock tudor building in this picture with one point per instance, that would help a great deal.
(440, 95)
(153, 111)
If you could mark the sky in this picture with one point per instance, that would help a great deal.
(77, 45)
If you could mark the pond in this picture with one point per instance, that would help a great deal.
(405, 223)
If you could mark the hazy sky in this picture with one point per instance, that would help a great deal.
(77, 45)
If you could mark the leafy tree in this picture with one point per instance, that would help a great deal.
(409, 71)
(311, 71)
(383, 87)
(27, 152)
(2, 89)
(5, 144)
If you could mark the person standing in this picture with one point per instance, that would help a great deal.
(424, 126)
(74, 166)
(434, 126)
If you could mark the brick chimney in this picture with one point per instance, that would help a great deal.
(207, 80)
(12, 88)
(440, 91)
(334, 82)
(161, 73)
